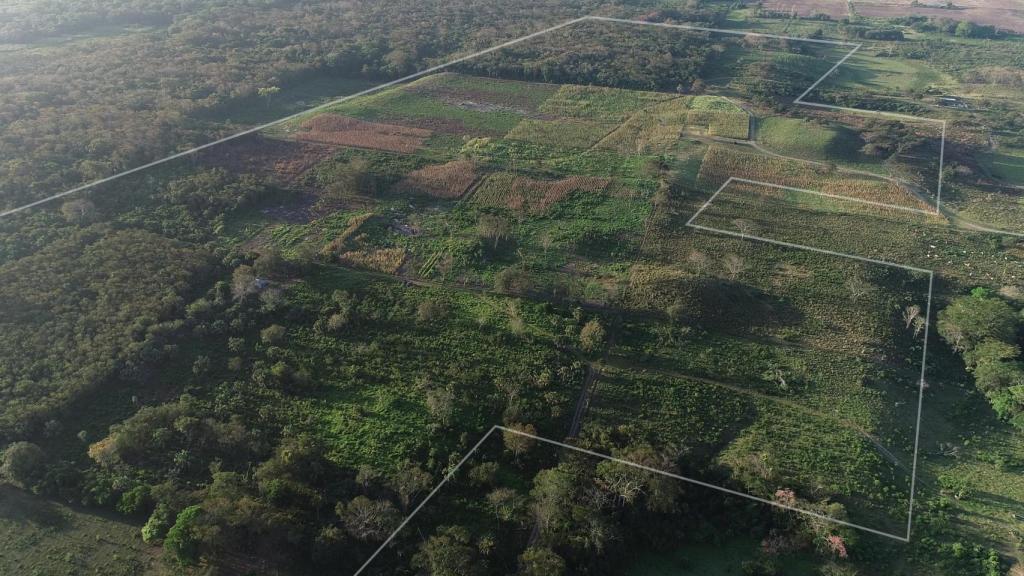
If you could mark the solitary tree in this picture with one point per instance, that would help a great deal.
(78, 211)
(409, 481)
(910, 313)
(546, 242)
(592, 336)
(182, 542)
(267, 92)
(734, 265)
(746, 227)
(518, 438)
(273, 334)
(507, 504)
(698, 260)
(857, 287)
(493, 227)
(536, 561)
(430, 311)
(367, 519)
(23, 464)
(448, 553)
(441, 404)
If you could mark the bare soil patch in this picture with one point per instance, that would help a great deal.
(345, 131)
(280, 160)
(1003, 14)
(836, 9)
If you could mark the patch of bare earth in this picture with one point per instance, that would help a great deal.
(836, 9)
(282, 161)
(1003, 14)
(345, 131)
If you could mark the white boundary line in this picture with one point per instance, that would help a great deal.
(800, 99)
(927, 316)
(722, 31)
(451, 473)
(838, 197)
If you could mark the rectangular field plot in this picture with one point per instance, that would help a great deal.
(548, 197)
(888, 160)
(810, 218)
(764, 340)
(760, 443)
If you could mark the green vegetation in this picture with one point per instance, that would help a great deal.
(43, 537)
(264, 357)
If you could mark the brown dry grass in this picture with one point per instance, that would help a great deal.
(387, 260)
(534, 197)
(449, 180)
(721, 163)
(282, 160)
(346, 131)
(354, 225)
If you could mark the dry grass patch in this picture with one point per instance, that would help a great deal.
(342, 239)
(387, 260)
(577, 134)
(449, 180)
(528, 196)
(721, 163)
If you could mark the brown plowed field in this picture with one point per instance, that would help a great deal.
(344, 131)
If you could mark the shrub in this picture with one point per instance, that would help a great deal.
(23, 464)
(592, 336)
(158, 524)
(182, 542)
(273, 334)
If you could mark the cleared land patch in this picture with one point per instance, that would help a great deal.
(599, 103)
(345, 131)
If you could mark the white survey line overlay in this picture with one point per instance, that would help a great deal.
(455, 469)
(927, 314)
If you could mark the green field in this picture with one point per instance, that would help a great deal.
(1008, 167)
(42, 538)
(805, 139)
